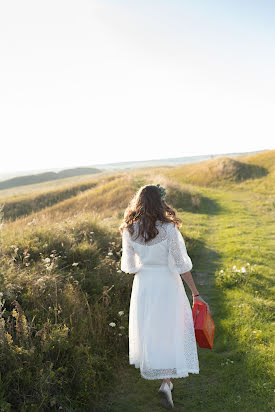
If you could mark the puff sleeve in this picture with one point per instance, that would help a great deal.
(129, 258)
(178, 260)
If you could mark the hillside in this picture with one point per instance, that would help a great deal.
(46, 176)
(264, 159)
(61, 287)
(225, 170)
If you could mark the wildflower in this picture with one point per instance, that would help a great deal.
(110, 253)
(121, 327)
(243, 269)
(47, 260)
(120, 334)
(221, 271)
(92, 233)
(75, 264)
(112, 324)
(53, 251)
(121, 313)
(234, 267)
(119, 271)
(248, 264)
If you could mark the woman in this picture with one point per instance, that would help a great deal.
(161, 331)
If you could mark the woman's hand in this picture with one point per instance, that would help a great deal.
(200, 299)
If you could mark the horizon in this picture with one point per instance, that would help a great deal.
(17, 173)
(111, 82)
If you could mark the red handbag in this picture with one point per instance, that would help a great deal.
(204, 325)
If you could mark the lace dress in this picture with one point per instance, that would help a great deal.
(162, 340)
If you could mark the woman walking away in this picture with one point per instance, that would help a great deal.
(162, 339)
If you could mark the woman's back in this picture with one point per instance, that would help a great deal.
(167, 248)
(154, 252)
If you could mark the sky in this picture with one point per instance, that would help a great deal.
(96, 81)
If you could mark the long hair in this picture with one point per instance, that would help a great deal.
(146, 207)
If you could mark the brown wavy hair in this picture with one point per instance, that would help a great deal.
(147, 207)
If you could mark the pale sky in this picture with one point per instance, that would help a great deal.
(85, 82)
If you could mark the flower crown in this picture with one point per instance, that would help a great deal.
(162, 191)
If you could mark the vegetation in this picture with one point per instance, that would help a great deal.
(217, 172)
(46, 176)
(65, 303)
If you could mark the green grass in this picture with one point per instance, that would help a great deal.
(238, 373)
(57, 348)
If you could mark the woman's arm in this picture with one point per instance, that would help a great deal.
(187, 277)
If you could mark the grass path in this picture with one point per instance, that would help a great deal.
(234, 376)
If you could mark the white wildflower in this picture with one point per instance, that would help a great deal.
(243, 269)
(234, 267)
(75, 264)
(110, 253)
(112, 324)
(221, 271)
(119, 271)
(47, 260)
(121, 313)
(120, 334)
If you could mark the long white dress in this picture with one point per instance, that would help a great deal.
(162, 339)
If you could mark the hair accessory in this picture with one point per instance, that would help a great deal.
(162, 191)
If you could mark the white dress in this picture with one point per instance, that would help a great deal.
(162, 339)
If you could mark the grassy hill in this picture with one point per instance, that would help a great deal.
(217, 172)
(62, 286)
(46, 176)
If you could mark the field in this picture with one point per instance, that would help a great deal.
(61, 287)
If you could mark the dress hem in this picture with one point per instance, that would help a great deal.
(167, 376)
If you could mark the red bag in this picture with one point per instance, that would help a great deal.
(204, 325)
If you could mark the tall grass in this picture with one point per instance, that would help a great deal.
(64, 301)
(57, 349)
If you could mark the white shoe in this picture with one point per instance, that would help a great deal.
(171, 386)
(166, 396)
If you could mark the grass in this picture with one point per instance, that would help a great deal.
(237, 374)
(61, 284)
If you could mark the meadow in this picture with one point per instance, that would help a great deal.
(65, 302)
